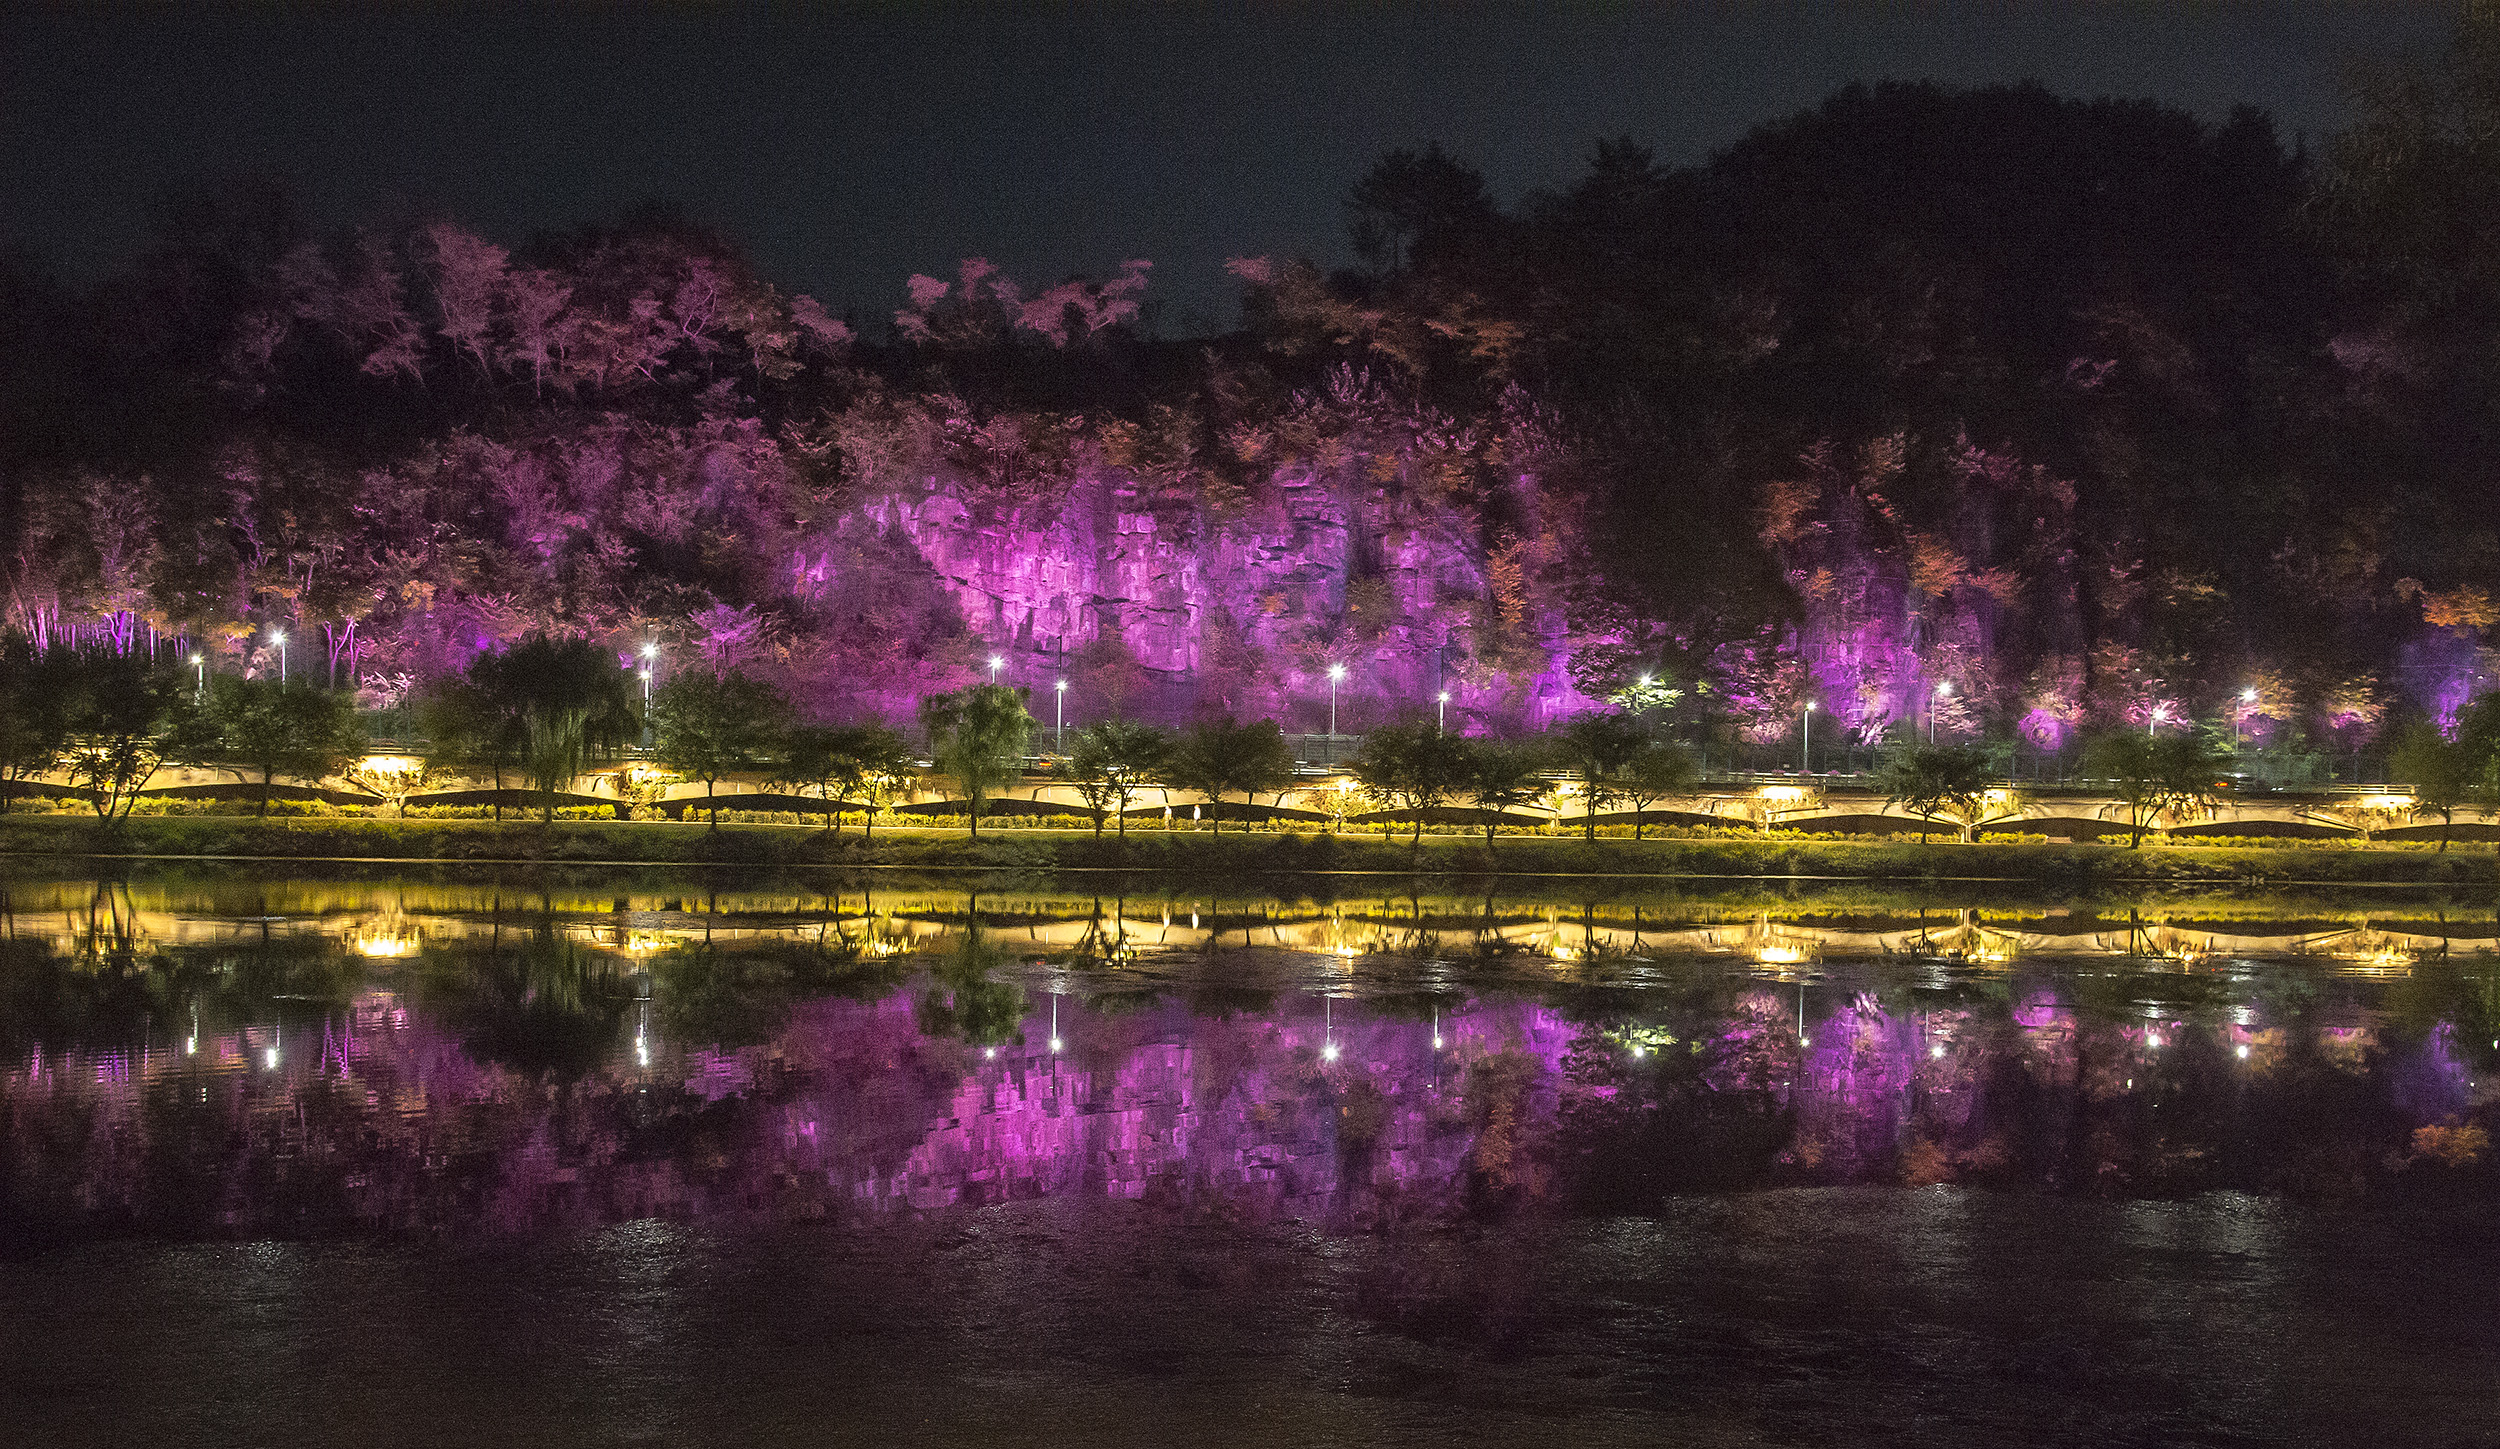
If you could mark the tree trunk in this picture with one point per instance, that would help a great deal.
(711, 800)
(1419, 827)
(972, 812)
(265, 777)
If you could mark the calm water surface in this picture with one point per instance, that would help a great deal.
(645, 1159)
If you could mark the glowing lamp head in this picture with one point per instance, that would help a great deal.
(2241, 1051)
(990, 1052)
(2248, 696)
(1803, 1040)
(1336, 671)
(1644, 681)
(1445, 696)
(278, 638)
(1935, 1053)
(1054, 1043)
(1329, 1052)
(646, 676)
(2161, 711)
(1639, 1052)
(1945, 688)
(1436, 1043)
(1061, 686)
(1811, 706)
(650, 650)
(199, 659)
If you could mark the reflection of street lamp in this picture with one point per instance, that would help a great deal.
(200, 663)
(1805, 742)
(1060, 742)
(279, 639)
(646, 691)
(1442, 724)
(1943, 690)
(1335, 673)
(2159, 713)
(2239, 717)
(995, 663)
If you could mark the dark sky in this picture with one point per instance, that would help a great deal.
(849, 150)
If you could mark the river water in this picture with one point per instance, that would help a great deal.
(633, 1158)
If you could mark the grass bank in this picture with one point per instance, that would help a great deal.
(664, 843)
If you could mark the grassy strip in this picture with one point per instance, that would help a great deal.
(674, 844)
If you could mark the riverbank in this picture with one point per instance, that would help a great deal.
(665, 843)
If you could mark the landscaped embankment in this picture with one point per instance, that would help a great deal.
(657, 842)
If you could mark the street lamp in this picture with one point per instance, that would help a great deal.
(2159, 713)
(279, 639)
(1805, 742)
(995, 663)
(1442, 724)
(1943, 690)
(1335, 672)
(2239, 717)
(200, 663)
(1060, 742)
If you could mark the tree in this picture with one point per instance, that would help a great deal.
(1221, 757)
(469, 731)
(1505, 776)
(887, 773)
(1413, 766)
(2448, 775)
(126, 718)
(567, 702)
(35, 703)
(704, 727)
(838, 761)
(2169, 777)
(1593, 750)
(1658, 771)
(1110, 765)
(1948, 780)
(978, 737)
(272, 729)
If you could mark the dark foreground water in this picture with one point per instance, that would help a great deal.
(635, 1160)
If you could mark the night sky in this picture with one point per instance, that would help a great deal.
(847, 152)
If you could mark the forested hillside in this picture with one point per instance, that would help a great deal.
(2036, 413)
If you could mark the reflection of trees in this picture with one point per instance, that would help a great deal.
(539, 1004)
(962, 1001)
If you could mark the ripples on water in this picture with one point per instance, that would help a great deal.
(632, 1159)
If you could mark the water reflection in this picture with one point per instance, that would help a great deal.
(209, 1055)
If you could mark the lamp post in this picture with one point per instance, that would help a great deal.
(646, 691)
(1805, 741)
(1059, 741)
(1942, 691)
(200, 663)
(1335, 673)
(279, 639)
(1441, 724)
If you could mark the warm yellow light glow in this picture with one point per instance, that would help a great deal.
(2387, 802)
(1784, 794)
(1778, 955)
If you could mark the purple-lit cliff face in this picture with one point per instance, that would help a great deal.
(1239, 611)
(1963, 605)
